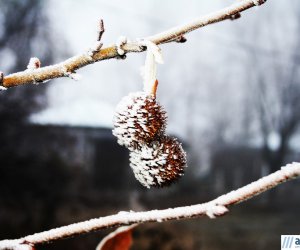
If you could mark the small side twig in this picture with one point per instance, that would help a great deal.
(98, 44)
(212, 209)
(101, 30)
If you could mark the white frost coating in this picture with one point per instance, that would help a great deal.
(75, 76)
(155, 50)
(34, 63)
(213, 210)
(14, 245)
(153, 56)
(257, 2)
(94, 49)
(287, 172)
(122, 40)
(149, 73)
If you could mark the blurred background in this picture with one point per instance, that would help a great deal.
(231, 93)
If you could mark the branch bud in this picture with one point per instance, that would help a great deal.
(259, 2)
(235, 16)
(34, 63)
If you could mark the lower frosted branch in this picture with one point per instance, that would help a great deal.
(212, 209)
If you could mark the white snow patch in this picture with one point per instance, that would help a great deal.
(75, 76)
(8, 59)
(274, 141)
(122, 40)
(34, 63)
(85, 112)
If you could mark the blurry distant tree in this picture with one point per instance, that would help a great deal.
(275, 88)
(24, 31)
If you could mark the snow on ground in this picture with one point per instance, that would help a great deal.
(87, 112)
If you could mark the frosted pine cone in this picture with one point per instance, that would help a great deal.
(158, 164)
(139, 119)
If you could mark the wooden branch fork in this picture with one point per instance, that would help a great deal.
(68, 67)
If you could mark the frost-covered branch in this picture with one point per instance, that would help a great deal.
(176, 34)
(212, 209)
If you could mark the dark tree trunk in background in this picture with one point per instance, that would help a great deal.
(24, 34)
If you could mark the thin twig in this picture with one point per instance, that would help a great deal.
(79, 61)
(212, 209)
(101, 29)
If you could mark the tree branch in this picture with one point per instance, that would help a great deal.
(212, 209)
(64, 69)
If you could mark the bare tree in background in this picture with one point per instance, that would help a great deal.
(24, 32)
(275, 84)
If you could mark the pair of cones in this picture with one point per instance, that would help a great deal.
(156, 159)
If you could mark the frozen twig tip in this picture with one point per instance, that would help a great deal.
(101, 30)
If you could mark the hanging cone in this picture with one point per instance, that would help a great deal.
(139, 119)
(160, 163)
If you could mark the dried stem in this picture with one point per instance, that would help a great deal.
(101, 30)
(212, 209)
(79, 61)
(154, 88)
